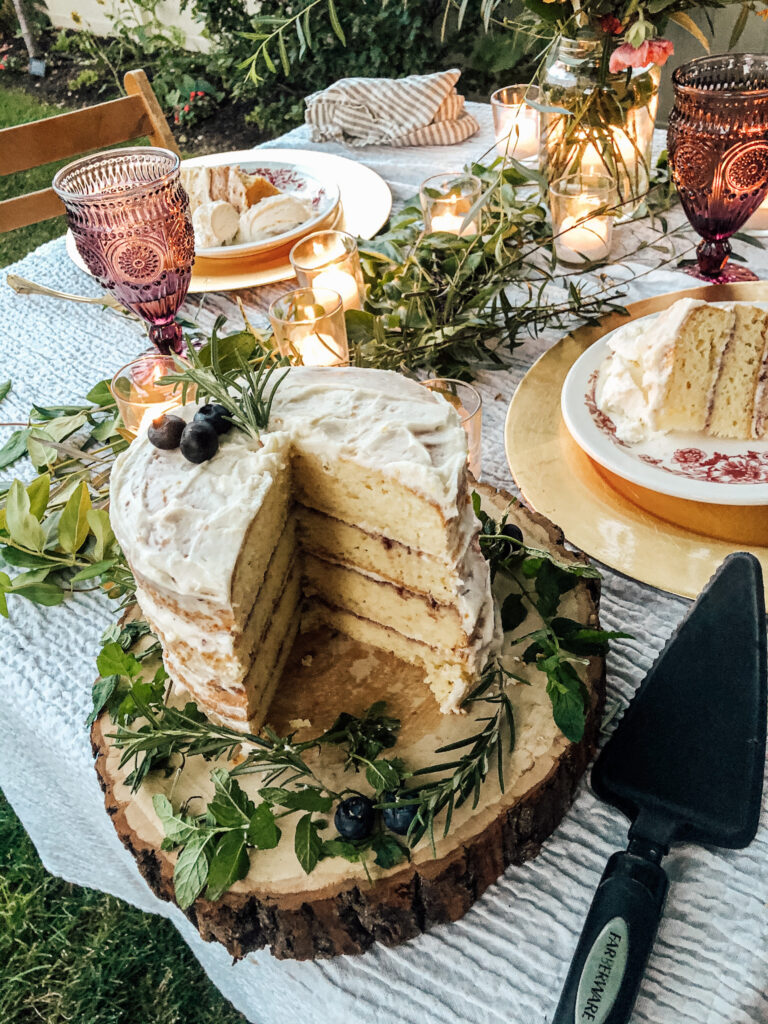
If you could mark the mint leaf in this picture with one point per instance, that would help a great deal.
(263, 832)
(307, 843)
(113, 660)
(382, 774)
(191, 871)
(388, 850)
(177, 829)
(569, 700)
(230, 806)
(513, 612)
(583, 640)
(102, 691)
(229, 864)
(308, 799)
(342, 848)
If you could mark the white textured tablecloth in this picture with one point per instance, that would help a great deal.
(505, 961)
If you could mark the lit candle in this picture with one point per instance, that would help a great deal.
(452, 222)
(517, 132)
(138, 392)
(341, 282)
(317, 349)
(330, 260)
(582, 242)
(759, 219)
(309, 327)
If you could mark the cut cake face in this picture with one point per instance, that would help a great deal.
(351, 511)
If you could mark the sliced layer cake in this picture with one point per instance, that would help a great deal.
(352, 511)
(697, 367)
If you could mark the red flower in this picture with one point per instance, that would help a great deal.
(186, 109)
(652, 51)
(610, 24)
(192, 95)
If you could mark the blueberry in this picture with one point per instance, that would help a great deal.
(354, 817)
(510, 530)
(397, 819)
(199, 442)
(218, 416)
(165, 432)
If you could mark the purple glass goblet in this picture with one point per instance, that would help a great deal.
(129, 217)
(718, 152)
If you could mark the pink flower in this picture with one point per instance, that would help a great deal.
(652, 51)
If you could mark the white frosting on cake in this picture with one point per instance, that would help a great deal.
(215, 223)
(271, 216)
(634, 376)
(182, 525)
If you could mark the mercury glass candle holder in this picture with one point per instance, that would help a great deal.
(330, 259)
(718, 152)
(309, 327)
(582, 208)
(446, 199)
(137, 388)
(129, 217)
(468, 403)
(516, 124)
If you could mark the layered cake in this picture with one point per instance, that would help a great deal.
(352, 510)
(696, 367)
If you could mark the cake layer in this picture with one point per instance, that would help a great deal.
(337, 541)
(411, 614)
(732, 413)
(374, 501)
(696, 361)
(448, 673)
(244, 702)
(226, 655)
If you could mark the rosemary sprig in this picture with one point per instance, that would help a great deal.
(245, 389)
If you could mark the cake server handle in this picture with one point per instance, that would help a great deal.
(608, 965)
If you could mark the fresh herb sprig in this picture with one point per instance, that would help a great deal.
(538, 582)
(246, 389)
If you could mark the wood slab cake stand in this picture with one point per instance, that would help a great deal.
(335, 909)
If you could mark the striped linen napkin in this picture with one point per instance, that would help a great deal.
(420, 110)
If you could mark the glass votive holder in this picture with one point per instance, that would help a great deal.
(468, 404)
(309, 327)
(583, 207)
(446, 199)
(329, 259)
(137, 388)
(516, 124)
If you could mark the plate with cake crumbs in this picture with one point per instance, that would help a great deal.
(247, 204)
(677, 402)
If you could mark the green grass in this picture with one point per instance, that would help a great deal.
(75, 956)
(70, 955)
(18, 107)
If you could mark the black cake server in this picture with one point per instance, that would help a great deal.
(685, 764)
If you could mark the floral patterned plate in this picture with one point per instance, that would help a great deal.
(689, 466)
(301, 180)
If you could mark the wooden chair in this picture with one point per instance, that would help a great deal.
(70, 135)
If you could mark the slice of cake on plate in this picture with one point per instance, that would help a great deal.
(352, 509)
(697, 367)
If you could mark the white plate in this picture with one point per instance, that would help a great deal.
(366, 203)
(683, 465)
(295, 178)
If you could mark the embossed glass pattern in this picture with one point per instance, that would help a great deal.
(129, 217)
(718, 152)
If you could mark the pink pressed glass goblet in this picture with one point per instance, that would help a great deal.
(129, 217)
(718, 152)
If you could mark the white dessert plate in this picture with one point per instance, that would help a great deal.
(690, 466)
(366, 203)
(301, 179)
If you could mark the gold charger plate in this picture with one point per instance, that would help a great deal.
(559, 480)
